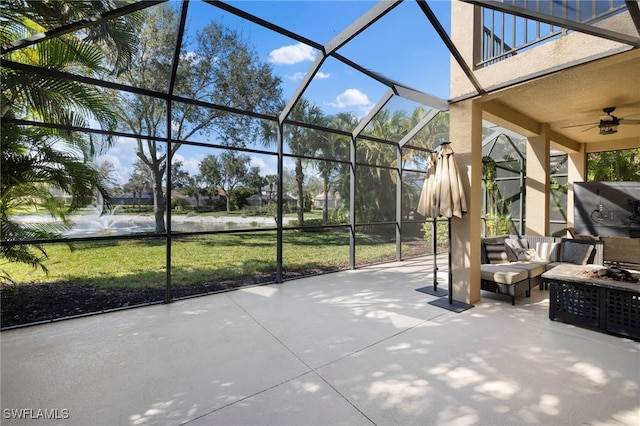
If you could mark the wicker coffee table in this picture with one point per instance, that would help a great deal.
(601, 304)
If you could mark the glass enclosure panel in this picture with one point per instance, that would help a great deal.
(412, 183)
(558, 199)
(153, 57)
(436, 130)
(93, 277)
(326, 187)
(228, 60)
(375, 194)
(130, 184)
(222, 189)
(376, 153)
(509, 169)
(503, 208)
(559, 164)
(305, 17)
(509, 194)
(407, 21)
(316, 143)
(415, 159)
(337, 90)
(395, 120)
(213, 263)
(442, 235)
(314, 252)
(505, 149)
(414, 242)
(375, 244)
(139, 114)
(304, 141)
(217, 127)
(324, 190)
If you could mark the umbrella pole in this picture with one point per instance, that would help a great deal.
(434, 290)
(434, 249)
(450, 262)
(451, 305)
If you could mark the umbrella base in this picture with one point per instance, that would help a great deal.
(433, 291)
(455, 306)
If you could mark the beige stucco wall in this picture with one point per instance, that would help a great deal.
(466, 141)
(466, 136)
(571, 49)
(537, 183)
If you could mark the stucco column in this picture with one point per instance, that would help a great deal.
(577, 172)
(465, 132)
(537, 184)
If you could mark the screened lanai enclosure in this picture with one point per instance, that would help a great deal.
(504, 189)
(164, 149)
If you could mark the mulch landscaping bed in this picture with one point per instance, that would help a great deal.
(23, 304)
(33, 303)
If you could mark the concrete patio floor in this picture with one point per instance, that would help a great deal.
(357, 347)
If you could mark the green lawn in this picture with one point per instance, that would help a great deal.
(199, 260)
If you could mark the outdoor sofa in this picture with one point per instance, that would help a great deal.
(512, 265)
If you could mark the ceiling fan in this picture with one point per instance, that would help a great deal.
(609, 123)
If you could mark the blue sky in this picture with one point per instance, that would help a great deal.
(401, 46)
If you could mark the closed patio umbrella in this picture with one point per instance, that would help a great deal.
(449, 200)
(425, 204)
(426, 208)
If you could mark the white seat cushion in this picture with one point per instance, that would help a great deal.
(502, 274)
(533, 269)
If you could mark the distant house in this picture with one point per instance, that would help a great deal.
(257, 200)
(144, 198)
(331, 202)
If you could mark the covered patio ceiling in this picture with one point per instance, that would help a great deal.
(572, 101)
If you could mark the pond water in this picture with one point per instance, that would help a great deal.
(88, 225)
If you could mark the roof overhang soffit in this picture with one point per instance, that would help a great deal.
(500, 114)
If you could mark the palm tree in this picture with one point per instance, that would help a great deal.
(37, 160)
(334, 145)
(302, 141)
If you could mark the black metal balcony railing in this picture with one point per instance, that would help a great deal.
(504, 35)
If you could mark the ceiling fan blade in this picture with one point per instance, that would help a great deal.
(580, 125)
(589, 128)
(623, 121)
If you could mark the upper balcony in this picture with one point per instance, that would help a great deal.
(555, 64)
(504, 33)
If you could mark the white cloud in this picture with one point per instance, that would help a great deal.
(292, 54)
(351, 97)
(265, 169)
(190, 165)
(121, 171)
(296, 77)
(299, 75)
(124, 145)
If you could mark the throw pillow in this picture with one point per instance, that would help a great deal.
(576, 253)
(496, 253)
(547, 251)
(513, 246)
(525, 254)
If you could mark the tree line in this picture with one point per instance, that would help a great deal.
(216, 65)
